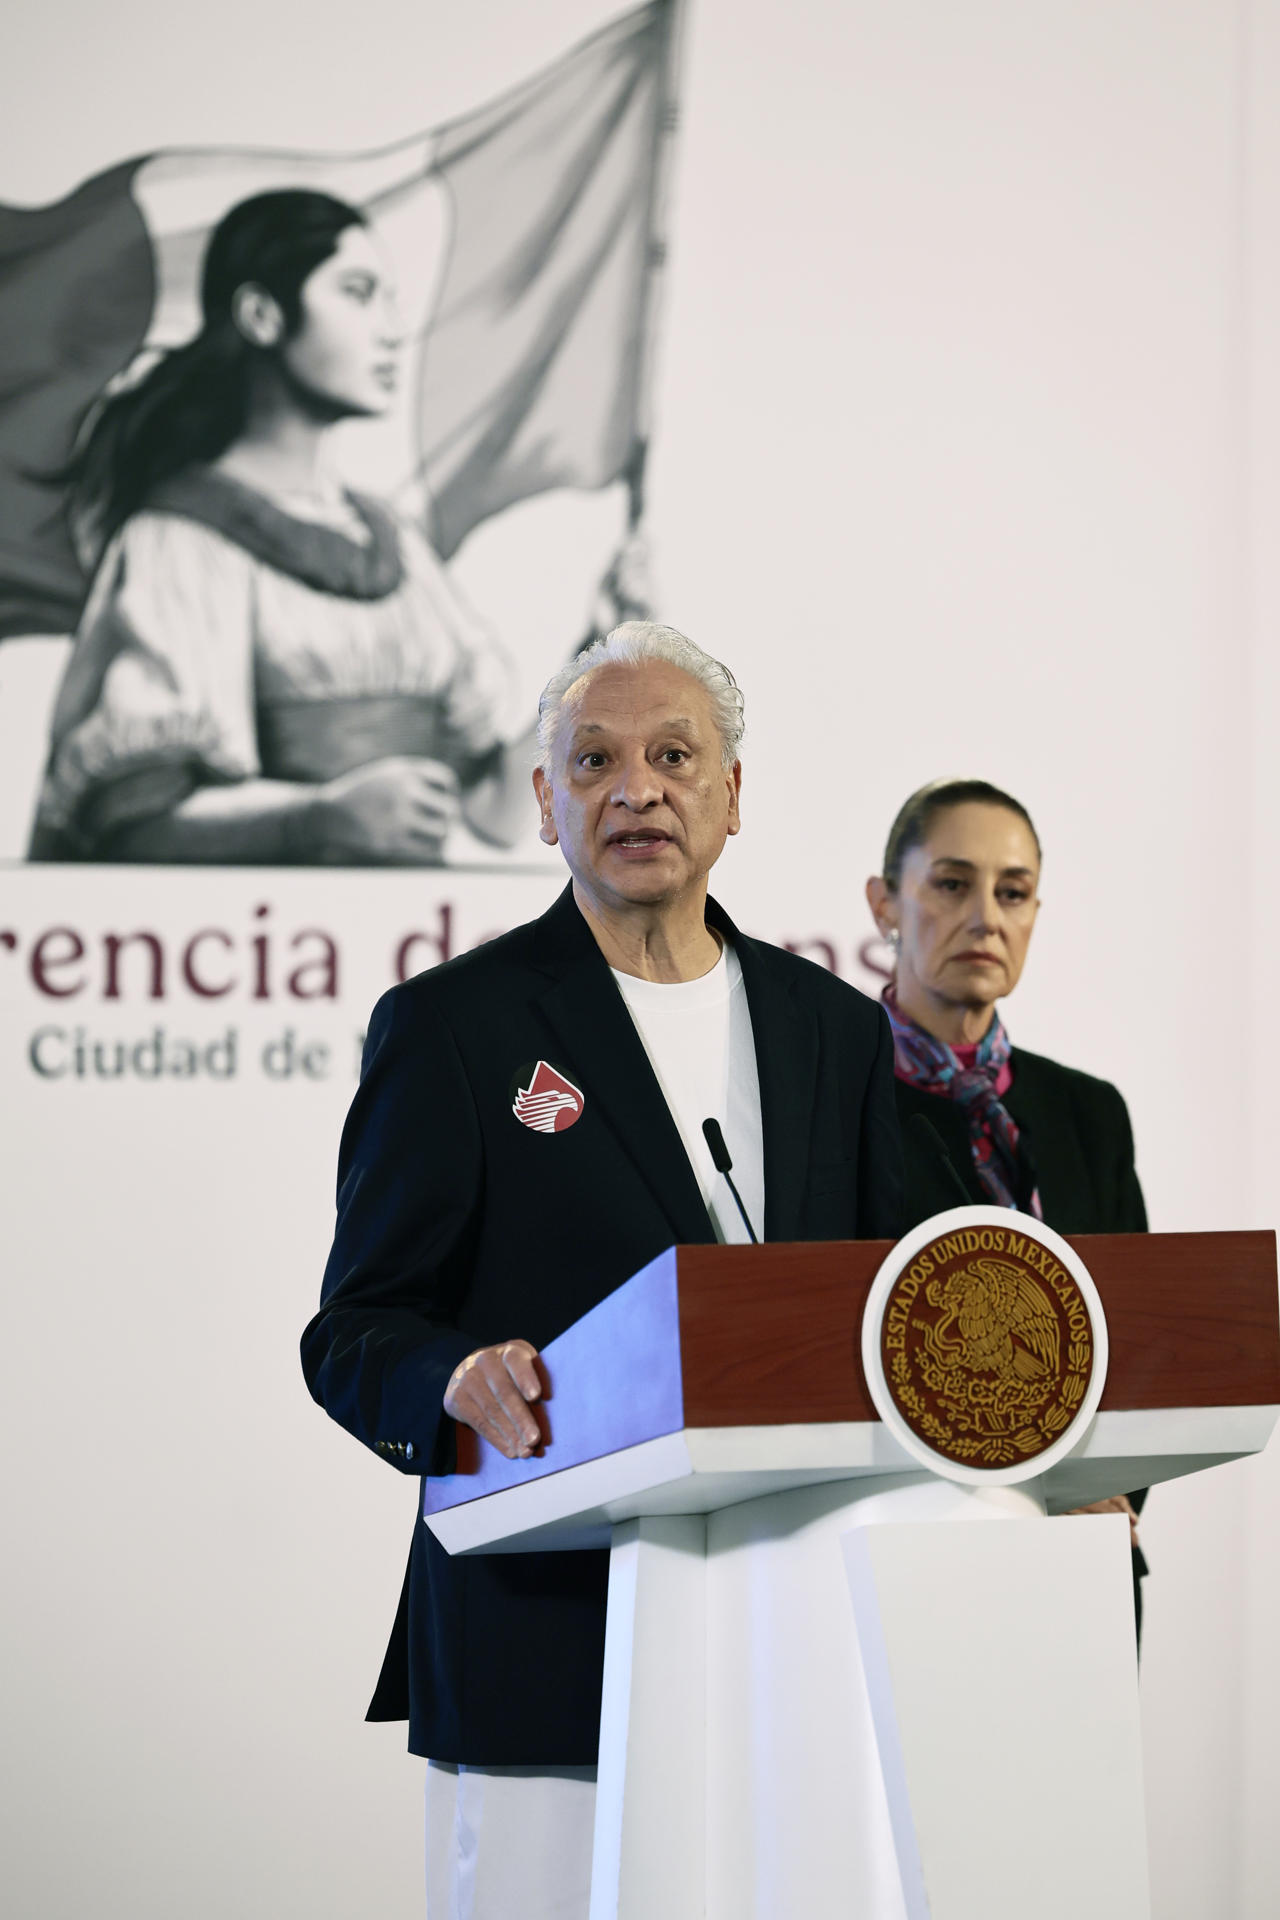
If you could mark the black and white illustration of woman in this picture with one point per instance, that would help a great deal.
(270, 667)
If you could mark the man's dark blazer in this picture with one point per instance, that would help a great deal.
(1075, 1145)
(459, 1227)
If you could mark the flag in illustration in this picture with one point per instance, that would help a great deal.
(525, 240)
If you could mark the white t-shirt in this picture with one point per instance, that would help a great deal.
(697, 1034)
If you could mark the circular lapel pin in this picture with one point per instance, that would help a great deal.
(544, 1099)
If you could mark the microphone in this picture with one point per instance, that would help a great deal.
(723, 1164)
(931, 1140)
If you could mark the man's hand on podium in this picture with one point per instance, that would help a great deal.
(491, 1390)
(1118, 1503)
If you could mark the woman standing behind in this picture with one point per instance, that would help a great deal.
(957, 902)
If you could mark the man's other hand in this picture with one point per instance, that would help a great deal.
(490, 1391)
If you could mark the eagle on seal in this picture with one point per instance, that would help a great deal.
(1002, 1320)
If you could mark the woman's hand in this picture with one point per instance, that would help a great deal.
(395, 811)
(1118, 1503)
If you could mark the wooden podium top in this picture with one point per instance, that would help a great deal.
(1192, 1319)
(724, 1345)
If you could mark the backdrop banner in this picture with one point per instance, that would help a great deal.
(357, 368)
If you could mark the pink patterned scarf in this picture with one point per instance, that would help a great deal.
(926, 1063)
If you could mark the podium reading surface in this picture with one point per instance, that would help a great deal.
(819, 1697)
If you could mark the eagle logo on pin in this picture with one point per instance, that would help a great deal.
(544, 1099)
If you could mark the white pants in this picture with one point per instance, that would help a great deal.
(509, 1843)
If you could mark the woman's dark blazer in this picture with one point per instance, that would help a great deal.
(1075, 1145)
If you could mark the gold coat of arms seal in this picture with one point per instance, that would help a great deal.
(984, 1344)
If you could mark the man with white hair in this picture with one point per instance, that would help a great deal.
(527, 1134)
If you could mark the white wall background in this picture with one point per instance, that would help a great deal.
(968, 458)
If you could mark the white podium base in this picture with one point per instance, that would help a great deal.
(826, 1702)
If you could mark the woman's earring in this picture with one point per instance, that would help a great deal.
(893, 939)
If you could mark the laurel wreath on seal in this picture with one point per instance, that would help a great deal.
(956, 1437)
